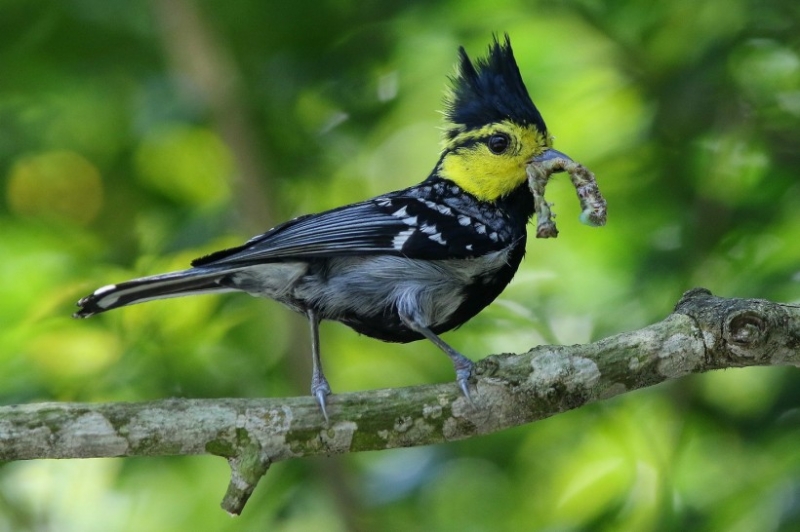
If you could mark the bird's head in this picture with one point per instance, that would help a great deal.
(493, 129)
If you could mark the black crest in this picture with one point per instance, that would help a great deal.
(490, 90)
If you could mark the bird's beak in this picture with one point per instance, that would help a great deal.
(549, 155)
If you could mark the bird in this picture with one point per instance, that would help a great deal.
(406, 265)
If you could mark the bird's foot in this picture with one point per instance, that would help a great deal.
(464, 368)
(320, 389)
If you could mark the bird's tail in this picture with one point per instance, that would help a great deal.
(183, 283)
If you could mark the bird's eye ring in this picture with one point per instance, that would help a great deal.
(498, 143)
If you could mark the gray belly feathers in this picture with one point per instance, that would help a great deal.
(370, 285)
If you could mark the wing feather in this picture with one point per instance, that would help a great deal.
(360, 228)
(366, 228)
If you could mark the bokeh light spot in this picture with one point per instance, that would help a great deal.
(56, 185)
(75, 351)
(188, 164)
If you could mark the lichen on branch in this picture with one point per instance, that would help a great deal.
(703, 333)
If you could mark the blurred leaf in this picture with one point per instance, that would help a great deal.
(187, 164)
(118, 164)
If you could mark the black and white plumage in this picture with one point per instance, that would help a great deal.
(425, 259)
(400, 267)
(339, 261)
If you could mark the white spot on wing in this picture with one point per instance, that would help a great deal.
(430, 204)
(469, 247)
(400, 213)
(444, 209)
(428, 229)
(438, 238)
(464, 220)
(401, 238)
(411, 220)
(480, 228)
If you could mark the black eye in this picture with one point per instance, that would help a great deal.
(498, 143)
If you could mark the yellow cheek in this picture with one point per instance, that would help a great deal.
(484, 175)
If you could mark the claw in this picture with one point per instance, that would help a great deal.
(463, 373)
(320, 389)
(321, 395)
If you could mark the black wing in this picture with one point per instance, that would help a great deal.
(398, 224)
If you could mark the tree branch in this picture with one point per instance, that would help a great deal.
(703, 333)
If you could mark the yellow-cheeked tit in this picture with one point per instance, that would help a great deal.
(405, 265)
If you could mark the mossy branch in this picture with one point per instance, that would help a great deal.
(703, 333)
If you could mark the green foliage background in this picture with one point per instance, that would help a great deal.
(137, 135)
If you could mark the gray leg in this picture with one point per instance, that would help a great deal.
(319, 384)
(462, 364)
